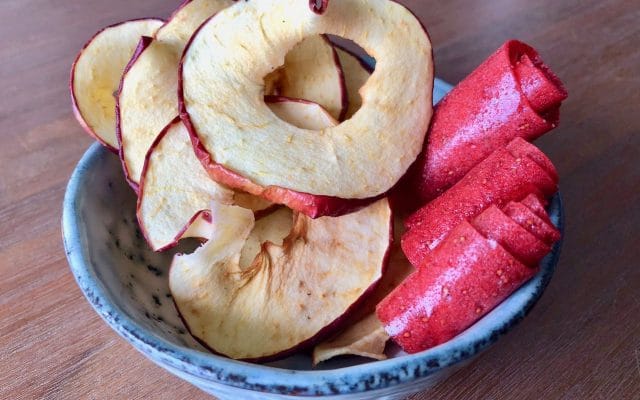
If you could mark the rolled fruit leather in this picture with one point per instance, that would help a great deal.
(478, 265)
(511, 94)
(498, 179)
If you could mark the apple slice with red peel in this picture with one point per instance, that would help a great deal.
(175, 190)
(187, 18)
(311, 71)
(364, 338)
(256, 204)
(96, 72)
(303, 114)
(200, 225)
(292, 293)
(235, 131)
(356, 73)
(147, 99)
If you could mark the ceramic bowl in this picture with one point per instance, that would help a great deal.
(126, 283)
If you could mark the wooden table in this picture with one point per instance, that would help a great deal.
(582, 341)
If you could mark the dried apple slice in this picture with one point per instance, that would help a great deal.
(175, 190)
(356, 73)
(311, 71)
(235, 131)
(187, 18)
(147, 99)
(365, 338)
(301, 113)
(96, 72)
(292, 293)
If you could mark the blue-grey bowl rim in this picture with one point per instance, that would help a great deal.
(359, 378)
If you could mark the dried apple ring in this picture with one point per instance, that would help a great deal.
(96, 72)
(221, 95)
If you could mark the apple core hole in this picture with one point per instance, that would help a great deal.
(357, 66)
(313, 74)
(273, 227)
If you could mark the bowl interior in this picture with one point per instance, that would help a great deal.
(127, 284)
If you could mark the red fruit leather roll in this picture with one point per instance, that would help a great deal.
(462, 280)
(519, 147)
(511, 94)
(495, 225)
(540, 86)
(532, 222)
(537, 204)
(498, 179)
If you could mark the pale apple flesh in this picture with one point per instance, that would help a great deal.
(361, 158)
(147, 99)
(356, 73)
(301, 113)
(186, 19)
(96, 72)
(175, 190)
(292, 292)
(311, 71)
(365, 338)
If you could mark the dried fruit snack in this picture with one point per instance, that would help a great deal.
(478, 264)
(96, 72)
(498, 179)
(359, 159)
(511, 94)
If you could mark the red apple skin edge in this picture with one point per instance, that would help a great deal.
(74, 101)
(323, 333)
(344, 96)
(204, 213)
(144, 43)
(364, 65)
(313, 206)
(175, 12)
(318, 6)
(140, 192)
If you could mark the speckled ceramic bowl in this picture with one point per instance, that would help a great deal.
(126, 283)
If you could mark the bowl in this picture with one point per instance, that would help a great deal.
(127, 285)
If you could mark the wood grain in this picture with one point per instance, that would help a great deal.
(582, 341)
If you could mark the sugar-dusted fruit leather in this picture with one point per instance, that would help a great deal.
(537, 204)
(478, 265)
(519, 147)
(498, 179)
(511, 94)
(495, 225)
(523, 215)
(540, 86)
(460, 281)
